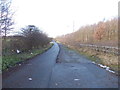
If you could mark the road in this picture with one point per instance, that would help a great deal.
(72, 71)
(76, 71)
(38, 68)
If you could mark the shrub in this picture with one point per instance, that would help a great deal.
(33, 37)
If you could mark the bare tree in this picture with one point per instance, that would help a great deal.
(6, 15)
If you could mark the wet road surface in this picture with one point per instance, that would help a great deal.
(72, 71)
(38, 69)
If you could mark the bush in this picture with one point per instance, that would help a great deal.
(34, 38)
(31, 38)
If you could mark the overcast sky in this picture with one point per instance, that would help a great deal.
(55, 17)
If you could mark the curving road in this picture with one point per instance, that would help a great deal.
(38, 69)
(72, 71)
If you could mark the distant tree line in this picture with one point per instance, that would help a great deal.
(103, 31)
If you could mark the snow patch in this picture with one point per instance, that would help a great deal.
(111, 71)
(93, 62)
(107, 68)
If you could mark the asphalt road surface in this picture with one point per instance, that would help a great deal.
(72, 71)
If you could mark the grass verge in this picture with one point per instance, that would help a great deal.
(12, 60)
(107, 59)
